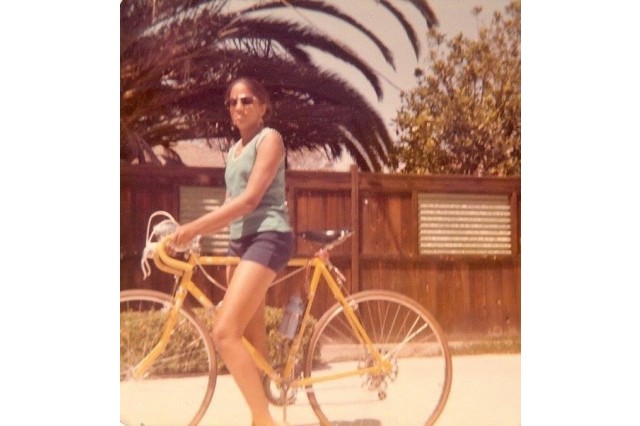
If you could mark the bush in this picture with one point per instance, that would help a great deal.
(487, 345)
(136, 327)
(277, 345)
(139, 332)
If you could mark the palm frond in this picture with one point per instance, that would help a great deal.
(426, 12)
(287, 34)
(319, 6)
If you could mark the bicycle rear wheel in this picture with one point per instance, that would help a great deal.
(178, 387)
(413, 392)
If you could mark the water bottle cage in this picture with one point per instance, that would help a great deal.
(290, 323)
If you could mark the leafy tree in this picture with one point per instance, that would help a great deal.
(177, 57)
(464, 115)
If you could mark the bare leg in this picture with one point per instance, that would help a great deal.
(243, 299)
(255, 330)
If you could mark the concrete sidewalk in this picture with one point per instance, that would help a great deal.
(485, 392)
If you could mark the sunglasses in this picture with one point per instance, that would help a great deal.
(244, 100)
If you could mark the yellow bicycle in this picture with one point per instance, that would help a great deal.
(375, 355)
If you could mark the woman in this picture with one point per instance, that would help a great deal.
(260, 234)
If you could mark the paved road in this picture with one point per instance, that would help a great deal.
(485, 392)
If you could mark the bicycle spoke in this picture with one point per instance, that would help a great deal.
(406, 340)
(410, 390)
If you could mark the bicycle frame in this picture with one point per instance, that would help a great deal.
(184, 270)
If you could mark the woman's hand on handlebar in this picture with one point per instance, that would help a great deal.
(180, 239)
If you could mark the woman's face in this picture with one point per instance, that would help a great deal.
(245, 109)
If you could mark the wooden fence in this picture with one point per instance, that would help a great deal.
(472, 295)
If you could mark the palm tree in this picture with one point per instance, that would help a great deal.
(177, 57)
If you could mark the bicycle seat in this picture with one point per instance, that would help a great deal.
(324, 237)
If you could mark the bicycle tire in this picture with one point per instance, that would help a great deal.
(178, 387)
(416, 389)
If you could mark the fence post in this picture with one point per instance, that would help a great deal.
(355, 225)
(515, 222)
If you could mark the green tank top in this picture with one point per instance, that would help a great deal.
(271, 214)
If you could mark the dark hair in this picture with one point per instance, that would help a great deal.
(256, 88)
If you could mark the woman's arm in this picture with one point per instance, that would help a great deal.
(268, 158)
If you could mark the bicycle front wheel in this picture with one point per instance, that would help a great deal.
(177, 387)
(411, 391)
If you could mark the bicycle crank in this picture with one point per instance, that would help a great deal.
(280, 394)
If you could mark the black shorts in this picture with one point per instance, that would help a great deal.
(269, 248)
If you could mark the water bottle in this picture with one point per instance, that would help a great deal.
(291, 317)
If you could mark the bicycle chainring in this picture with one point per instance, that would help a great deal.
(282, 394)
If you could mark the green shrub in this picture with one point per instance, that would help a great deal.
(141, 329)
(277, 345)
(486, 345)
(139, 332)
